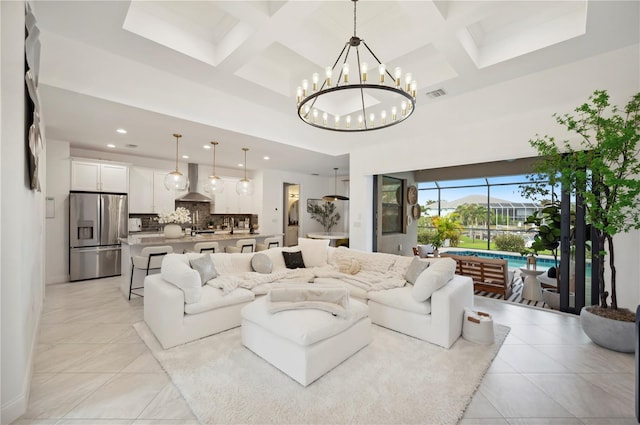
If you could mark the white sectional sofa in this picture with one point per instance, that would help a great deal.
(178, 308)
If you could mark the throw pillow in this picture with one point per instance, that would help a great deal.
(293, 260)
(435, 277)
(349, 266)
(415, 268)
(205, 268)
(314, 251)
(261, 263)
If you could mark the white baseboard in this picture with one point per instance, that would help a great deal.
(62, 278)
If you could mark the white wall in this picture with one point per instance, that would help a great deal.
(57, 235)
(21, 224)
(488, 125)
(311, 187)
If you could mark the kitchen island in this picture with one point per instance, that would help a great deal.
(132, 246)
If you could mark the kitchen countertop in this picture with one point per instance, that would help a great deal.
(158, 238)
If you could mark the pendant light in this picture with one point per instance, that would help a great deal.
(245, 186)
(214, 184)
(175, 180)
(331, 198)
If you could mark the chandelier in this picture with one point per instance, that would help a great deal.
(338, 104)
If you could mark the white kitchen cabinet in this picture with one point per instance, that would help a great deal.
(141, 190)
(163, 199)
(229, 202)
(99, 176)
(147, 193)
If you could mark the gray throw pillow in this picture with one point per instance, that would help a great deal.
(261, 263)
(415, 268)
(205, 268)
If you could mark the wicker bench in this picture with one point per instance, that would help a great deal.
(488, 274)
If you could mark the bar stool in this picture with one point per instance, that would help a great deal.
(149, 259)
(243, 245)
(268, 244)
(201, 247)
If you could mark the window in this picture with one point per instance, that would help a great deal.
(392, 196)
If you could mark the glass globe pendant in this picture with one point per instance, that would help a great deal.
(214, 184)
(244, 185)
(175, 180)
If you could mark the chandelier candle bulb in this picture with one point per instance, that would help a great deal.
(328, 72)
(315, 78)
(324, 118)
(397, 73)
(345, 73)
(348, 121)
(407, 79)
(299, 94)
(360, 120)
(414, 88)
(372, 118)
(337, 120)
(364, 69)
(382, 70)
(315, 115)
(383, 117)
(403, 107)
(394, 113)
(305, 86)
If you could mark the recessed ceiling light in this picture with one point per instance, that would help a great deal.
(111, 145)
(121, 131)
(185, 156)
(240, 165)
(206, 146)
(266, 158)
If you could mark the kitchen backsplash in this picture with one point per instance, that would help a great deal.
(204, 219)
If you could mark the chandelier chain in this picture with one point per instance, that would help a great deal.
(355, 2)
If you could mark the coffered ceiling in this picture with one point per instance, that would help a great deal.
(228, 70)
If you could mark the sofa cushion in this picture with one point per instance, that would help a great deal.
(402, 299)
(293, 260)
(303, 327)
(213, 298)
(261, 263)
(204, 266)
(175, 270)
(232, 263)
(376, 262)
(314, 251)
(439, 272)
(416, 267)
(354, 291)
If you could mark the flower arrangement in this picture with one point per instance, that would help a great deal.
(179, 216)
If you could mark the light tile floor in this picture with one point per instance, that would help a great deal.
(91, 368)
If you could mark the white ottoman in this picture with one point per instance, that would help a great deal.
(304, 344)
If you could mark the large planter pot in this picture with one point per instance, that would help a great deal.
(551, 297)
(612, 334)
(172, 231)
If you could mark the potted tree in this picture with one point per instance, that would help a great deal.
(603, 167)
(326, 215)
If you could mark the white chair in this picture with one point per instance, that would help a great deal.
(268, 244)
(200, 247)
(243, 245)
(149, 259)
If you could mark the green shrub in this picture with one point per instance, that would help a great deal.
(509, 242)
(426, 235)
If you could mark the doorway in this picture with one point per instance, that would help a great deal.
(291, 213)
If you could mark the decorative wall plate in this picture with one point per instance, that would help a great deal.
(412, 195)
(416, 212)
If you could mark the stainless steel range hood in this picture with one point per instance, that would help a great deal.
(193, 196)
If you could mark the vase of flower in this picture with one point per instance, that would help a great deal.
(172, 231)
(172, 221)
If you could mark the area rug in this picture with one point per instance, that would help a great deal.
(395, 379)
(516, 296)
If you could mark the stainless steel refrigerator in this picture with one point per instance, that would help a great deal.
(96, 222)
